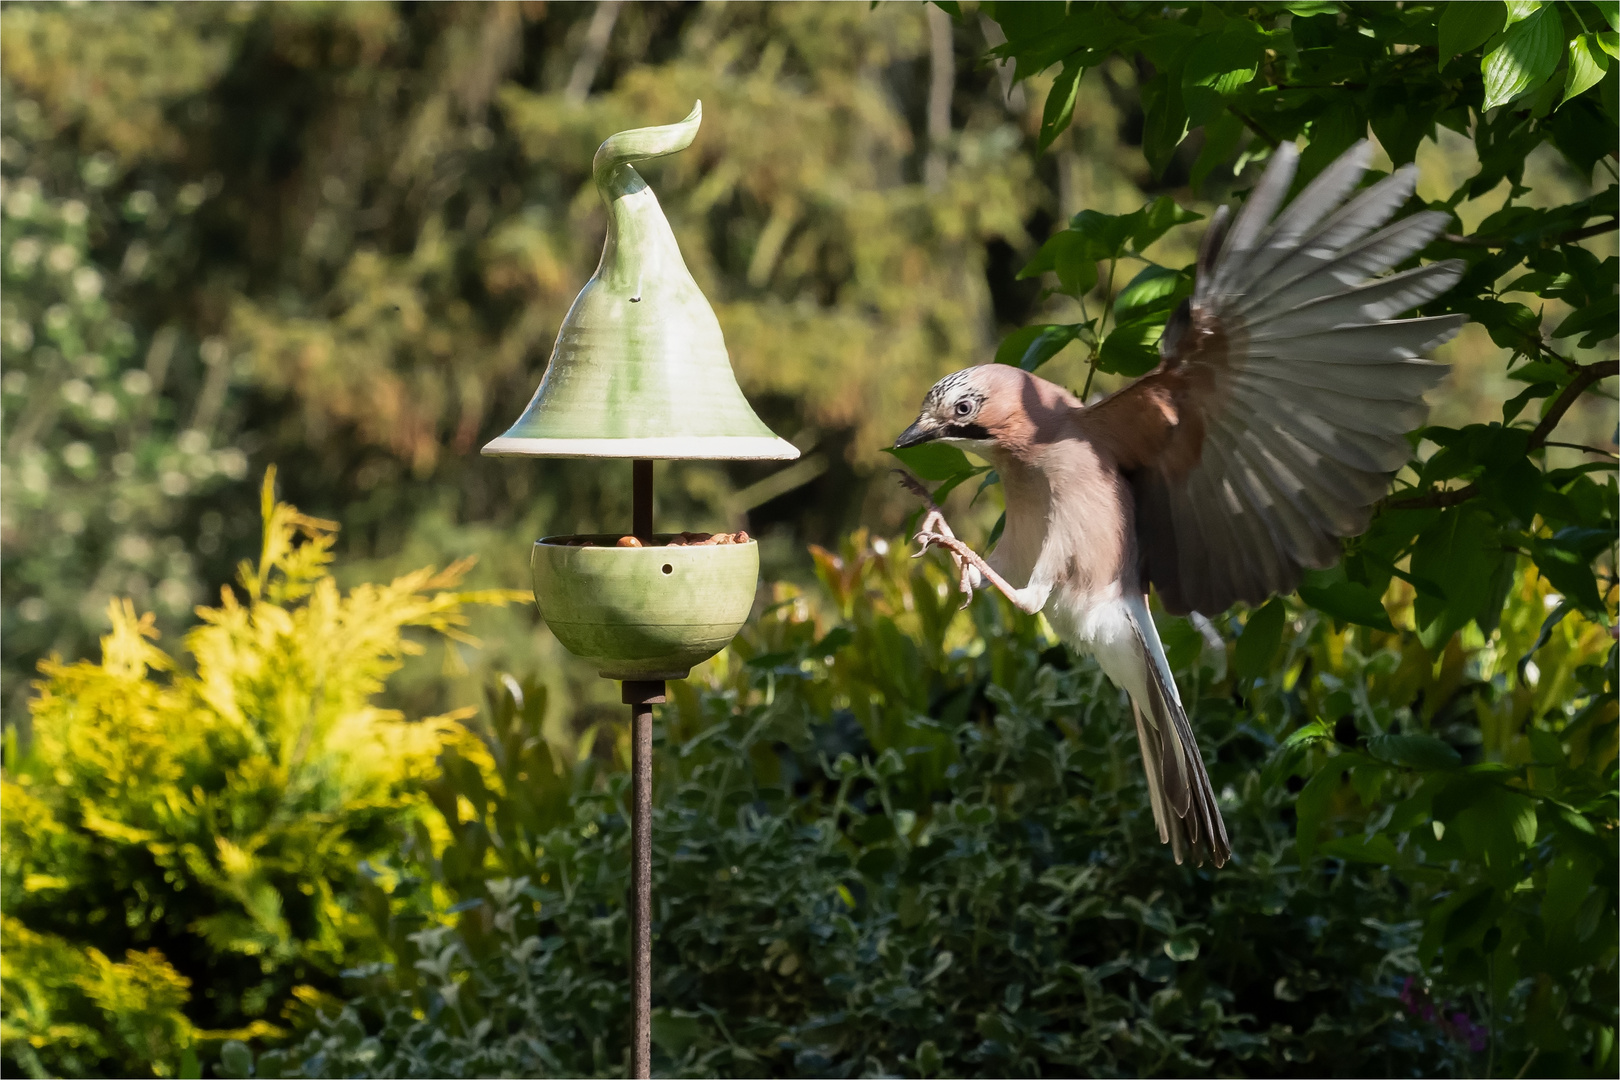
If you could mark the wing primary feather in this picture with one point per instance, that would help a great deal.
(1209, 250)
(1401, 383)
(1320, 197)
(1257, 212)
(1366, 343)
(1310, 273)
(1372, 301)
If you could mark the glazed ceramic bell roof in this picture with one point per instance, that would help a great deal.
(640, 369)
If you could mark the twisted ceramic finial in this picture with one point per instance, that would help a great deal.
(611, 166)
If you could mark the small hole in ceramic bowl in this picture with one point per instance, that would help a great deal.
(668, 569)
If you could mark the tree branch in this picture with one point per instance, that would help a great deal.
(1265, 136)
(1570, 237)
(1589, 374)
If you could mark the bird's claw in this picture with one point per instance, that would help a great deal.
(933, 529)
(927, 537)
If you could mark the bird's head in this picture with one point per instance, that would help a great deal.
(954, 411)
(975, 409)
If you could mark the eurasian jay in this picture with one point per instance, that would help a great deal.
(1269, 430)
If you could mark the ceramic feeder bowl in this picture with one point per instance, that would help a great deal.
(644, 613)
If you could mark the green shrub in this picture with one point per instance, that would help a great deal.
(896, 841)
(181, 845)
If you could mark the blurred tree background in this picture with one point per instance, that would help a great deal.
(338, 240)
(341, 239)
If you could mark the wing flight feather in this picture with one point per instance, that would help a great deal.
(1286, 387)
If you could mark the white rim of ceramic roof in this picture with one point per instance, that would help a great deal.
(665, 447)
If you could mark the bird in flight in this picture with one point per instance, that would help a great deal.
(1269, 430)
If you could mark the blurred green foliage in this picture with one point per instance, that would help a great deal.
(891, 838)
(341, 238)
(181, 845)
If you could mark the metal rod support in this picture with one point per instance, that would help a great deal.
(641, 892)
(641, 492)
(640, 696)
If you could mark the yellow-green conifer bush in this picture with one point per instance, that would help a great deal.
(182, 835)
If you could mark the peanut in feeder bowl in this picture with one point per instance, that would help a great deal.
(647, 612)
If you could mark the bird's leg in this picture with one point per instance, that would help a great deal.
(1028, 601)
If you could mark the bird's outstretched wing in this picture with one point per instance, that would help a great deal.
(1286, 386)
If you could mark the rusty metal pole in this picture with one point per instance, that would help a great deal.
(641, 696)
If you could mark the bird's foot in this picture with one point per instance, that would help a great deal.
(972, 564)
(934, 530)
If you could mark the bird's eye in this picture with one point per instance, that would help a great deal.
(964, 407)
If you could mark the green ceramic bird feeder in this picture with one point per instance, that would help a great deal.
(640, 371)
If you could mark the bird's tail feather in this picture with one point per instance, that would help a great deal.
(1183, 800)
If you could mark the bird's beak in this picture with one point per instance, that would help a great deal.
(920, 432)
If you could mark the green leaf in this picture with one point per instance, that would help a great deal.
(1518, 10)
(1514, 489)
(1032, 346)
(1494, 823)
(1219, 66)
(1157, 218)
(1414, 751)
(1553, 618)
(1515, 405)
(1311, 807)
(1258, 643)
(1072, 256)
(932, 460)
(1315, 731)
(1076, 270)
(1526, 57)
(1132, 348)
(235, 1059)
(1107, 234)
(1164, 118)
(1466, 26)
(1610, 10)
(1587, 65)
(674, 1032)
(1181, 948)
(1567, 566)
(929, 1060)
(951, 483)
(1377, 848)
(1569, 879)
(1331, 593)
(1222, 134)
(1154, 283)
(1459, 553)
(1600, 316)
(1059, 108)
